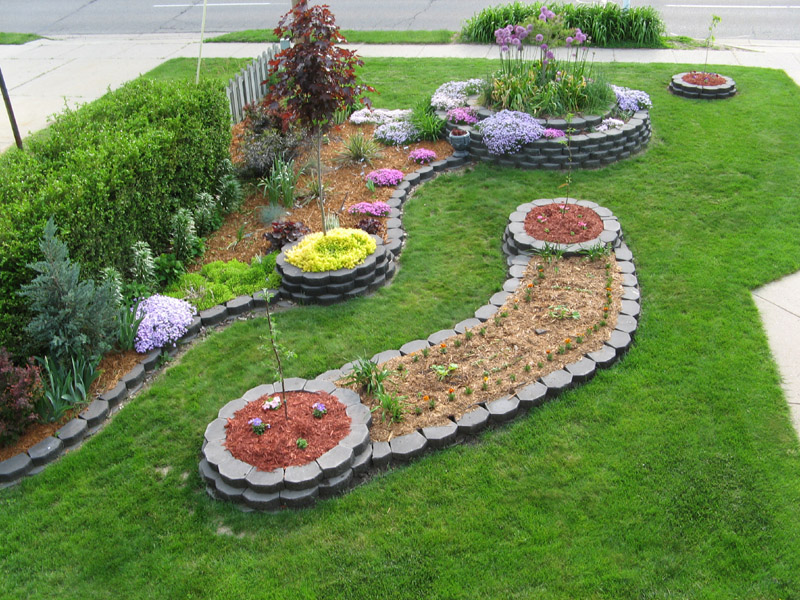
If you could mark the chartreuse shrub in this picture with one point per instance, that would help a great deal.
(219, 281)
(111, 174)
(341, 248)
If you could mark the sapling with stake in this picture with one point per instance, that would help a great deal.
(278, 350)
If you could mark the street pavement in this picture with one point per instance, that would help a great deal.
(46, 75)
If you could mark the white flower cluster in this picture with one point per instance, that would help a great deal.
(378, 116)
(454, 93)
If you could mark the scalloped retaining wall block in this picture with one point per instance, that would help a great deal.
(517, 241)
(703, 92)
(590, 150)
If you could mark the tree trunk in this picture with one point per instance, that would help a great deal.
(321, 194)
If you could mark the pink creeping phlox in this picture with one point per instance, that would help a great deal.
(422, 156)
(376, 209)
(385, 177)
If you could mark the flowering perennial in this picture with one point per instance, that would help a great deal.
(454, 93)
(320, 410)
(631, 100)
(165, 321)
(422, 156)
(272, 404)
(507, 131)
(551, 133)
(385, 177)
(396, 133)
(379, 116)
(609, 124)
(259, 427)
(376, 209)
(462, 114)
(512, 35)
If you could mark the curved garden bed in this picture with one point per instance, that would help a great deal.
(682, 88)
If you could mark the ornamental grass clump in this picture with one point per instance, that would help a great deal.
(507, 131)
(376, 209)
(341, 248)
(165, 321)
(385, 177)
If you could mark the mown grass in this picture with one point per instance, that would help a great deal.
(674, 474)
(16, 39)
(353, 36)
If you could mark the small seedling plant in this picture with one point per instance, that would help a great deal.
(279, 351)
(444, 371)
(368, 376)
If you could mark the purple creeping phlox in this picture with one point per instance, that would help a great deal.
(422, 156)
(385, 177)
(551, 133)
(507, 131)
(462, 115)
(376, 209)
(165, 321)
(630, 100)
(396, 133)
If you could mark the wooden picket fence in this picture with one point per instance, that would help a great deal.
(246, 86)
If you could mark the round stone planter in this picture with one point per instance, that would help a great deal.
(517, 241)
(460, 143)
(330, 287)
(590, 150)
(292, 487)
(704, 92)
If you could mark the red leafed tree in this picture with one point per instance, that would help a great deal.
(314, 78)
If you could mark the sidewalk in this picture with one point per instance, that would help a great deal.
(46, 75)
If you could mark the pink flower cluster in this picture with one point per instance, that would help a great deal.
(384, 177)
(551, 133)
(376, 209)
(462, 114)
(422, 156)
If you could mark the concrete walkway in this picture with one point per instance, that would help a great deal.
(46, 75)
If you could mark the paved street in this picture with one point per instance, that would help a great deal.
(741, 19)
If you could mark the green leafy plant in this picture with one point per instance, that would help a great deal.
(128, 325)
(66, 386)
(229, 192)
(167, 269)
(185, 242)
(561, 312)
(443, 371)
(206, 214)
(358, 148)
(597, 251)
(368, 376)
(425, 120)
(280, 186)
(302, 444)
(710, 38)
(142, 264)
(392, 407)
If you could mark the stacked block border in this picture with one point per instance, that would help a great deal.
(517, 241)
(703, 92)
(239, 482)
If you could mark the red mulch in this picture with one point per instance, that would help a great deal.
(563, 228)
(277, 446)
(702, 78)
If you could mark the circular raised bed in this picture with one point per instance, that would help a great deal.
(516, 240)
(679, 87)
(330, 287)
(231, 479)
(587, 150)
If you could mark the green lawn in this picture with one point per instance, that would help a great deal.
(674, 474)
(16, 39)
(353, 36)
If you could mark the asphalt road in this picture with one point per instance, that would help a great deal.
(753, 19)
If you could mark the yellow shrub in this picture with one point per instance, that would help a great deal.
(342, 248)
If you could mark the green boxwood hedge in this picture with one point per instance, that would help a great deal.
(111, 173)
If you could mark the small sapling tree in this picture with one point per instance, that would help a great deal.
(313, 79)
(278, 350)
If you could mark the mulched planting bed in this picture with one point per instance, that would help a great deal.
(277, 446)
(505, 353)
(563, 223)
(703, 78)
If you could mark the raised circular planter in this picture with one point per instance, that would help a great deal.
(703, 92)
(330, 287)
(292, 487)
(590, 150)
(517, 241)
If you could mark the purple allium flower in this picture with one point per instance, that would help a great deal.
(376, 209)
(551, 133)
(396, 133)
(631, 100)
(569, 40)
(385, 177)
(462, 114)
(550, 55)
(422, 156)
(454, 93)
(165, 321)
(507, 131)
(539, 38)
